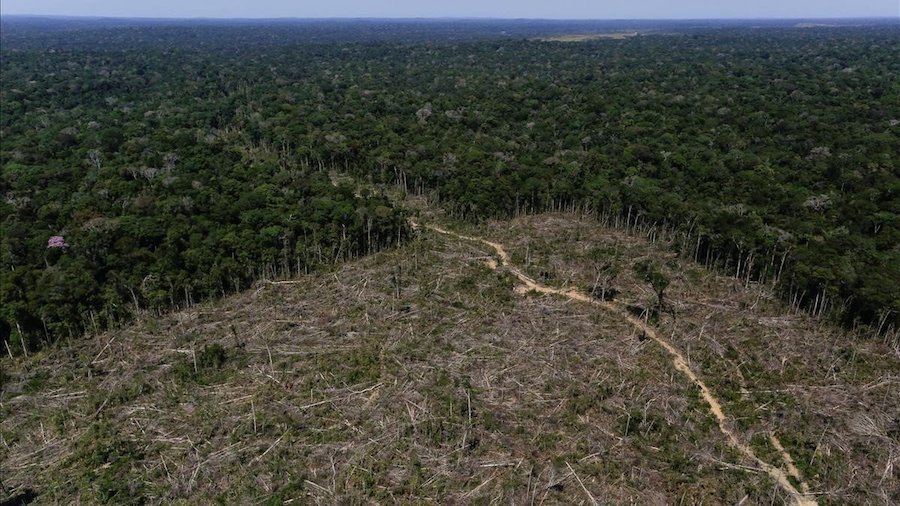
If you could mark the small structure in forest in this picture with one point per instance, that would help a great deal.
(57, 242)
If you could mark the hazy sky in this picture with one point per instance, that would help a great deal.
(596, 9)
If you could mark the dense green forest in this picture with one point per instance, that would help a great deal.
(153, 166)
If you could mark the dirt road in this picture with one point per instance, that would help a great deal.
(801, 497)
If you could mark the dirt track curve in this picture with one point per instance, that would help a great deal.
(801, 497)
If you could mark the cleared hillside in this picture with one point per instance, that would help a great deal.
(421, 374)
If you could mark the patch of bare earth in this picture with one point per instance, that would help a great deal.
(581, 37)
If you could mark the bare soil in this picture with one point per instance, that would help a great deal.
(581, 37)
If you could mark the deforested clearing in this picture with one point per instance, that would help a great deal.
(581, 37)
(421, 375)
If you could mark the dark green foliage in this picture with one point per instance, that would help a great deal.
(160, 209)
(182, 163)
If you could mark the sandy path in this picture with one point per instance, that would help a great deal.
(681, 364)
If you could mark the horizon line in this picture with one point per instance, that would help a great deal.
(434, 18)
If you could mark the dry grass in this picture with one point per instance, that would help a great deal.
(448, 387)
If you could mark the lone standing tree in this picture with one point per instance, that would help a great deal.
(649, 272)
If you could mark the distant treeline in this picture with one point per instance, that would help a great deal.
(176, 172)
